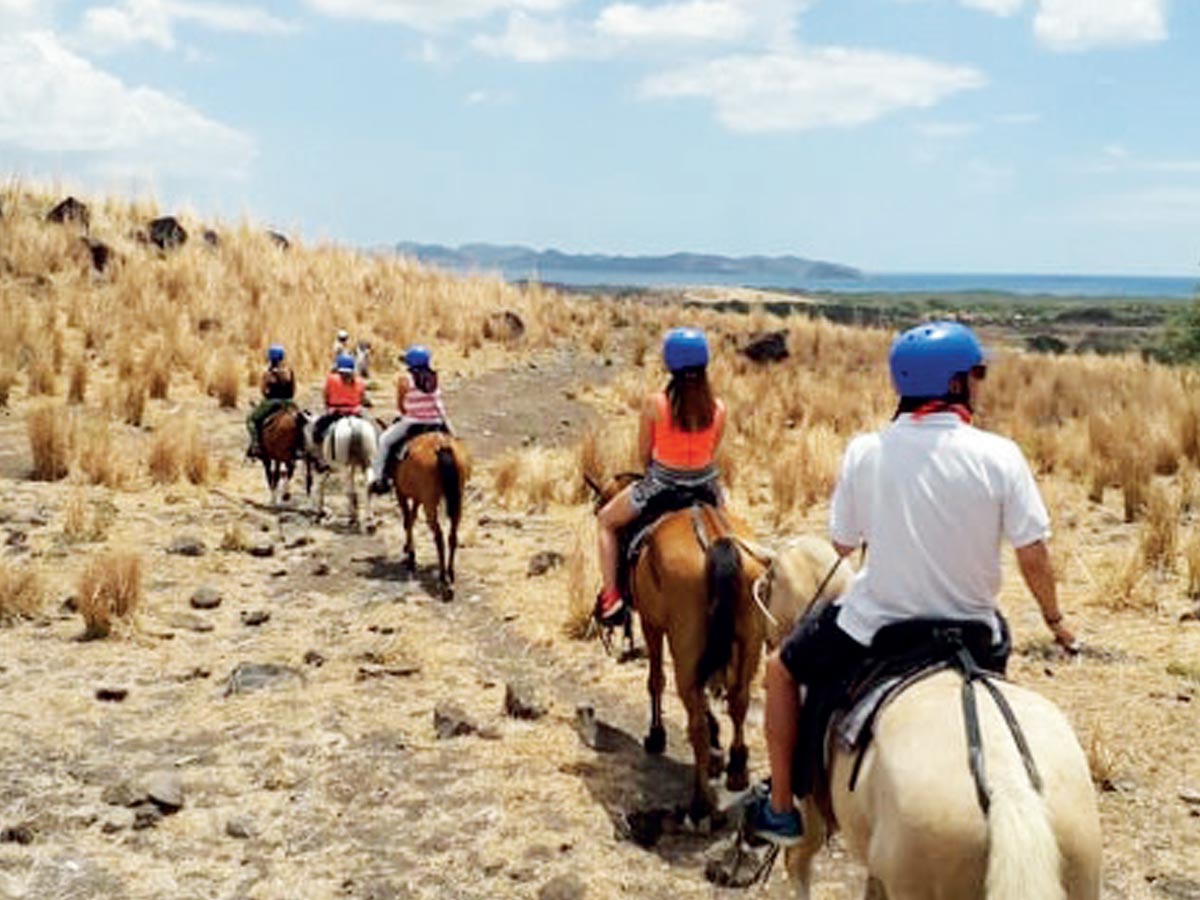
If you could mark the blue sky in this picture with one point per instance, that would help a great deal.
(895, 135)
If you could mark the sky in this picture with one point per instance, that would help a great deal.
(893, 135)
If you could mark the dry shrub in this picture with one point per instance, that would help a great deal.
(98, 458)
(804, 472)
(49, 434)
(505, 475)
(158, 377)
(42, 382)
(537, 477)
(1102, 761)
(22, 593)
(77, 386)
(583, 574)
(196, 465)
(1126, 586)
(7, 379)
(234, 539)
(1159, 537)
(133, 403)
(1133, 473)
(75, 516)
(164, 458)
(125, 361)
(110, 588)
(1191, 553)
(225, 382)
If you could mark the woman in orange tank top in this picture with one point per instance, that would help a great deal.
(678, 436)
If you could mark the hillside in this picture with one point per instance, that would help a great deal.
(524, 262)
(123, 391)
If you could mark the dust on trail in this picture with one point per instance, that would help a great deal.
(337, 775)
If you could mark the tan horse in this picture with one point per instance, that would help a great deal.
(435, 468)
(281, 439)
(700, 600)
(913, 817)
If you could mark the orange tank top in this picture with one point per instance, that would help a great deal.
(675, 448)
(344, 396)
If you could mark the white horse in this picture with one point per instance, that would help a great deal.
(913, 818)
(348, 444)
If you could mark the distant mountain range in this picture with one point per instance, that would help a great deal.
(524, 262)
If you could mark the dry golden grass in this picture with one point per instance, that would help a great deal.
(75, 516)
(98, 458)
(165, 457)
(109, 591)
(42, 382)
(1159, 535)
(197, 466)
(158, 376)
(8, 377)
(49, 430)
(22, 592)
(133, 403)
(538, 476)
(226, 381)
(234, 538)
(1191, 554)
(583, 574)
(77, 385)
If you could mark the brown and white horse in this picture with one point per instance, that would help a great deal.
(914, 819)
(282, 438)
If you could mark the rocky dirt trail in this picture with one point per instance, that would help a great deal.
(293, 707)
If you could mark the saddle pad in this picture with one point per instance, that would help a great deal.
(853, 727)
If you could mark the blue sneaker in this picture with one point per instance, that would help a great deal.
(782, 829)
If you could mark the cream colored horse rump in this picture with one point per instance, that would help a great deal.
(914, 818)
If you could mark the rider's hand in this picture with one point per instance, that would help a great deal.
(1064, 638)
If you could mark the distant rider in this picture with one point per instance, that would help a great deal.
(278, 385)
(341, 346)
(678, 436)
(422, 409)
(932, 496)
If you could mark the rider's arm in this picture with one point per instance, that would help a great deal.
(646, 431)
(1038, 572)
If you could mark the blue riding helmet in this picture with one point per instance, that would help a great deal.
(925, 358)
(344, 362)
(685, 348)
(275, 353)
(416, 356)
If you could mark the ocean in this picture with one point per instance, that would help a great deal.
(1116, 286)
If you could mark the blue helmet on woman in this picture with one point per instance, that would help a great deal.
(275, 353)
(925, 358)
(685, 348)
(416, 356)
(344, 363)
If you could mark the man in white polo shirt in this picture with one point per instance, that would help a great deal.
(932, 497)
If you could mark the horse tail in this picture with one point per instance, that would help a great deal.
(451, 483)
(723, 571)
(1024, 860)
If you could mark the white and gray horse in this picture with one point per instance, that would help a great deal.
(914, 819)
(348, 445)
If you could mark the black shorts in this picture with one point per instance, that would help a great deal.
(818, 651)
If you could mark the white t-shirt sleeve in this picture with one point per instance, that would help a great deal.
(845, 510)
(1024, 517)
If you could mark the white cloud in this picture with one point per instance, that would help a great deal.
(813, 88)
(696, 20)
(995, 7)
(533, 40)
(53, 102)
(1083, 24)
(429, 15)
(152, 22)
(1152, 206)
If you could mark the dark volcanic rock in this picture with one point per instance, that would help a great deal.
(522, 702)
(503, 326)
(253, 617)
(186, 545)
(247, 677)
(279, 240)
(70, 210)
(100, 253)
(166, 233)
(165, 790)
(770, 346)
(206, 597)
(211, 238)
(450, 721)
(543, 561)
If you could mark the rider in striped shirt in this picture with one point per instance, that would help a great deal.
(421, 409)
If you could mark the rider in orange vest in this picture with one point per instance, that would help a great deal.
(345, 395)
(680, 431)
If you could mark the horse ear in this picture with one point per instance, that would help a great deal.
(383, 426)
(591, 482)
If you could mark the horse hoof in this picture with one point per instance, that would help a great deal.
(701, 808)
(656, 741)
(716, 763)
(447, 593)
(737, 776)
(286, 498)
(737, 781)
(371, 528)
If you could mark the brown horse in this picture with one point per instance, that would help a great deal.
(434, 468)
(282, 435)
(693, 585)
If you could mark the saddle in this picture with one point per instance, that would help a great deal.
(845, 710)
(399, 451)
(632, 539)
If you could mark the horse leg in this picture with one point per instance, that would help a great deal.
(452, 542)
(370, 519)
(289, 469)
(703, 802)
(431, 517)
(748, 655)
(272, 478)
(798, 859)
(716, 756)
(352, 497)
(408, 508)
(656, 740)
